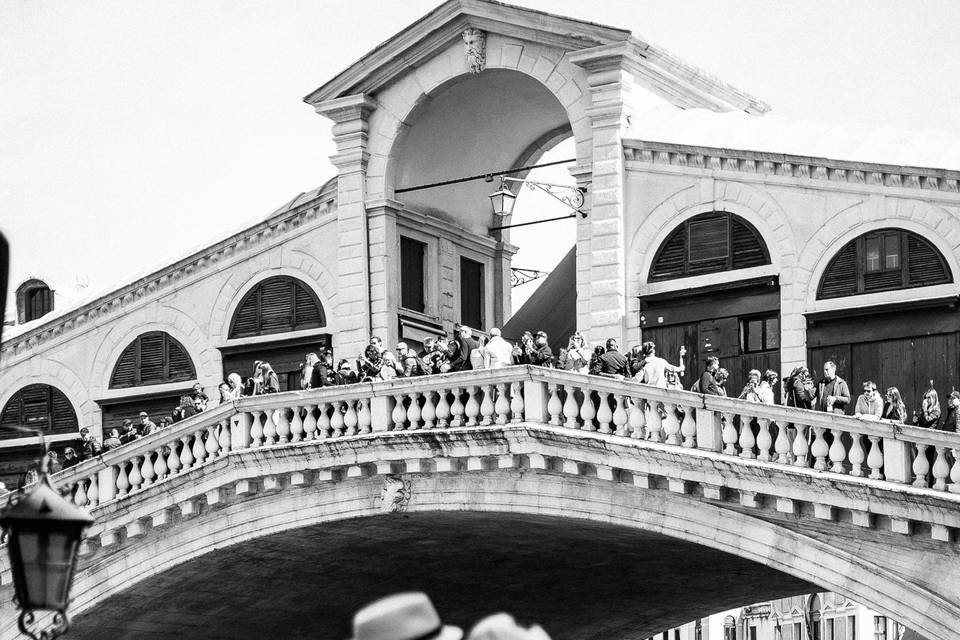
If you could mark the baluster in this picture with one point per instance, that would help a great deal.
(570, 409)
(199, 450)
(838, 452)
(487, 406)
(620, 418)
(350, 419)
(135, 477)
(875, 458)
(654, 422)
(638, 420)
(955, 472)
(296, 425)
(502, 405)
(413, 411)
(399, 413)
(173, 459)
(456, 409)
(93, 490)
(309, 422)
(801, 446)
(224, 436)
(604, 414)
(256, 429)
(123, 480)
(363, 416)
(857, 455)
(671, 425)
(160, 466)
(186, 454)
(336, 419)
(283, 426)
(729, 434)
(688, 429)
(764, 440)
(941, 470)
(269, 428)
(587, 409)
(147, 470)
(746, 439)
(472, 409)
(323, 421)
(429, 411)
(554, 406)
(443, 409)
(782, 445)
(516, 402)
(211, 444)
(80, 494)
(920, 466)
(819, 449)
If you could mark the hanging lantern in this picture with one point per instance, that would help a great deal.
(502, 200)
(43, 531)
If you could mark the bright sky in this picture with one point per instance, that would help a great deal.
(131, 132)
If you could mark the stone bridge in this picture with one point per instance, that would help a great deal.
(600, 508)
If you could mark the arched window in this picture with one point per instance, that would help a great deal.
(709, 243)
(153, 358)
(38, 406)
(34, 300)
(277, 305)
(883, 260)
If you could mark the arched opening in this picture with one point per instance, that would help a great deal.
(736, 319)
(34, 300)
(152, 359)
(36, 406)
(276, 321)
(883, 342)
(472, 126)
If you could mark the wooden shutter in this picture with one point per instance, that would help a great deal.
(125, 371)
(925, 265)
(277, 305)
(64, 418)
(709, 243)
(153, 358)
(840, 278)
(180, 367)
(670, 261)
(748, 249)
(152, 352)
(38, 406)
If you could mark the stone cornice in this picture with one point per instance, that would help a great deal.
(791, 166)
(292, 215)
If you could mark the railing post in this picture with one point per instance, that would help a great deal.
(535, 399)
(381, 413)
(897, 461)
(709, 430)
(240, 430)
(107, 481)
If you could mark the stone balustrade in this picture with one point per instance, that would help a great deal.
(765, 434)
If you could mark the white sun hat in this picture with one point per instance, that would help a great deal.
(402, 616)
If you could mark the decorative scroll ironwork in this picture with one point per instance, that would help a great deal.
(30, 626)
(568, 195)
(519, 276)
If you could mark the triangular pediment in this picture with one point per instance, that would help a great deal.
(685, 85)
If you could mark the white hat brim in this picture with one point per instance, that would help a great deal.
(448, 632)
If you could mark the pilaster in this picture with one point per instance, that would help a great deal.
(350, 115)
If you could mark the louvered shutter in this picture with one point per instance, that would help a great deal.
(276, 308)
(64, 418)
(748, 248)
(925, 264)
(670, 262)
(180, 366)
(246, 321)
(36, 405)
(11, 413)
(125, 371)
(840, 278)
(308, 312)
(152, 351)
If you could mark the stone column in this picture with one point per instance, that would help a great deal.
(350, 115)
(601, 263)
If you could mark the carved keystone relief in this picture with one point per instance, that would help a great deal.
(475, 49)
(395, 494)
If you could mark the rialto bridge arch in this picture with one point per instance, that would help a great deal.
(656, 532)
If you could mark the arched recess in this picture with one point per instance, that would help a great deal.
(34, 300)
(40, 406)
(278, 319)
(871, 283)
(154, 357)
(810, 559)
(711, 284)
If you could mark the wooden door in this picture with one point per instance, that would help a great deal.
(670, 339)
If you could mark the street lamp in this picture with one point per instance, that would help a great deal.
(503, 199)
(43, 532)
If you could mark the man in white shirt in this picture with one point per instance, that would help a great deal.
(869, 404)
(498, 353)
